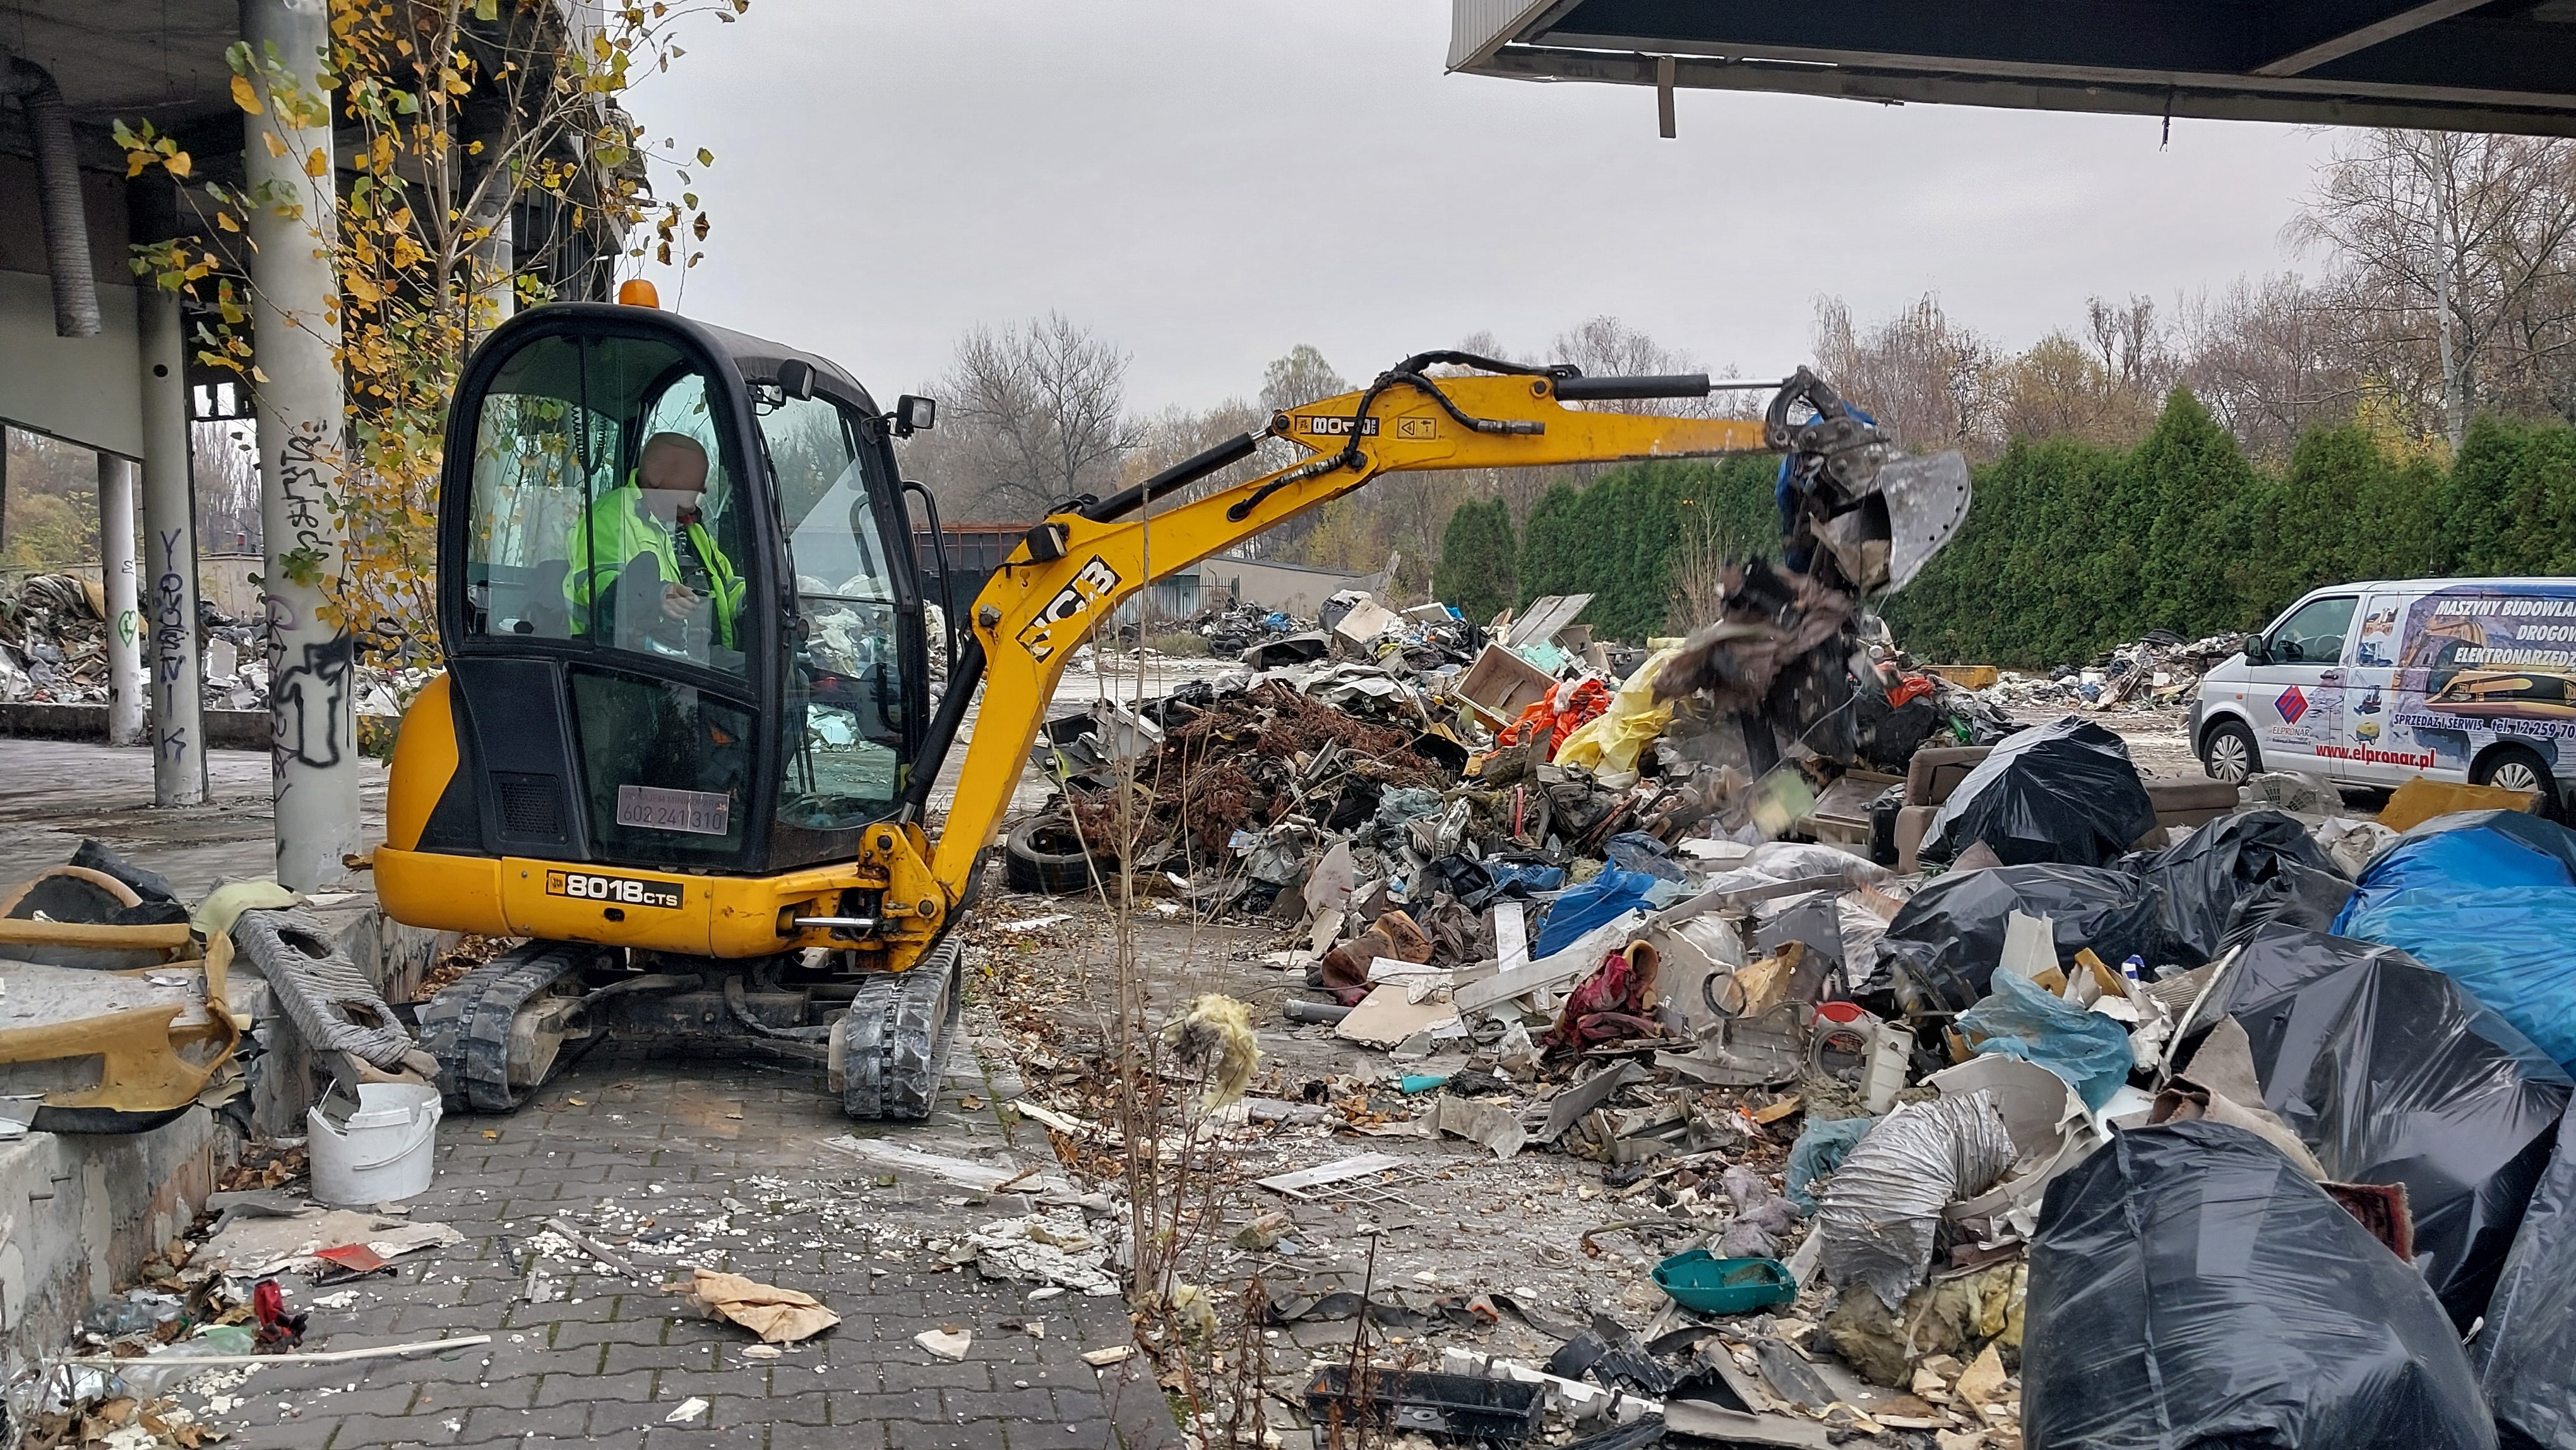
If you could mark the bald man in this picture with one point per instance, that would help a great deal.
(653, 523)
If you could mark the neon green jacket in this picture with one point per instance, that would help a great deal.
(619, 529)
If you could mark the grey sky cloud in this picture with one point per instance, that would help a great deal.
(1211, 183)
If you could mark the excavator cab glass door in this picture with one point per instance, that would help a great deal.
(677, 632)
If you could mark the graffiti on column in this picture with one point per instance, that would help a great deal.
(172, 645)
(307, 701)
(309, 694)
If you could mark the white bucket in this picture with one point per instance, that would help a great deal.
(384, 1154)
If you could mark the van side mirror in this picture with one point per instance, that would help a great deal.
(914, 414)
(2257, 650)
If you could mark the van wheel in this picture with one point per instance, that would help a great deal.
(2511, 767)
(2227, 753)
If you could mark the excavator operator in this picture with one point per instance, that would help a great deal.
(644, 545)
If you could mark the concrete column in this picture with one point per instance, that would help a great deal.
(495, 262)
(302, 450)
(170, 556)
(116, 575)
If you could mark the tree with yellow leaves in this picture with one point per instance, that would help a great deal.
(495, 166)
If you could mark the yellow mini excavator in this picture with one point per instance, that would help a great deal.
(686, 741)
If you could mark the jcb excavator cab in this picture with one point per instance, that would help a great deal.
(683, 723)
(669, 534)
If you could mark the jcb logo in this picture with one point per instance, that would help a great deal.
(1091, 585)
(1323, 426)
(620, 890)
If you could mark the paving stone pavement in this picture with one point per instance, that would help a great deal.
(611, 1359)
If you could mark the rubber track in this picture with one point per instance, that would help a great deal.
(896, 1045)
(467, 1027)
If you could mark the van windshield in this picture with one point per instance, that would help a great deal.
(2314, 634)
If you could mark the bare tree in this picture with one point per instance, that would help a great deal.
(1607, 347)
(1030, 416)
(1928, 379)
(2448, 243)
(1299, 378)
(2270, 359)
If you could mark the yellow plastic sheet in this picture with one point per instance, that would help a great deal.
(1610, 742)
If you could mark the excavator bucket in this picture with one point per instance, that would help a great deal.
(1927, 501)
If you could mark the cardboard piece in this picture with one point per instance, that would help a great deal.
(2420, 800)
(1366, 621)
(778, 1316)
(1387, 1016)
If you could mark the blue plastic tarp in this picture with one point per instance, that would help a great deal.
(1579, 909)
(2487, 899)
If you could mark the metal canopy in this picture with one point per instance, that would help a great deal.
(2459, 65)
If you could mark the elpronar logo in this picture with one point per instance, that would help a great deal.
(621, 890)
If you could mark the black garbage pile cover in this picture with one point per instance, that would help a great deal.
(2190, 1289)
(2390, 1073)
(2064, 793)
(2201, 883)
(2176, 908)
(2523, 1356)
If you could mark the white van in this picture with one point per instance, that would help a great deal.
(2374, 684)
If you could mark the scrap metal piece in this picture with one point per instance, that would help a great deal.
(1927, 500)
(330, 1001)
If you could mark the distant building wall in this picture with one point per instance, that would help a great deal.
(1293, 588)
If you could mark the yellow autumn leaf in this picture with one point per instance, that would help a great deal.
(134, 161)
(246, 96)
(225, 220)
(275, 146)
(179, 164)
(316, 164)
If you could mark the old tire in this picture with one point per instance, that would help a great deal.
(2228, 752)
(1046, 856)
(2513, 767)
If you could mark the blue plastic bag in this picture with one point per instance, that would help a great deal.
(2508, 949)
(2470, 859)
(1584, 907)
(2488, 900)
(2025, 1020)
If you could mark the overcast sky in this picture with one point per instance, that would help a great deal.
(1211, 183)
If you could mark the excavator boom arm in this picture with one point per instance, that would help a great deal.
(1074, 569)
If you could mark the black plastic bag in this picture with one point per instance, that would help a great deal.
(2294, 896)
(2392, 1074)
(2522, 1356)
(2190, 1289)
(2064, 793)
(2203, 877)
(1940, 951)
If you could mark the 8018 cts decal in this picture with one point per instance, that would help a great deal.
(621, 890)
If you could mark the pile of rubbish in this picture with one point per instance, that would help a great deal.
(1968, 1088)
(53, 650)
(2160, 671)
(53, 640)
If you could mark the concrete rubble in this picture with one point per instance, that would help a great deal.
(53, 650)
